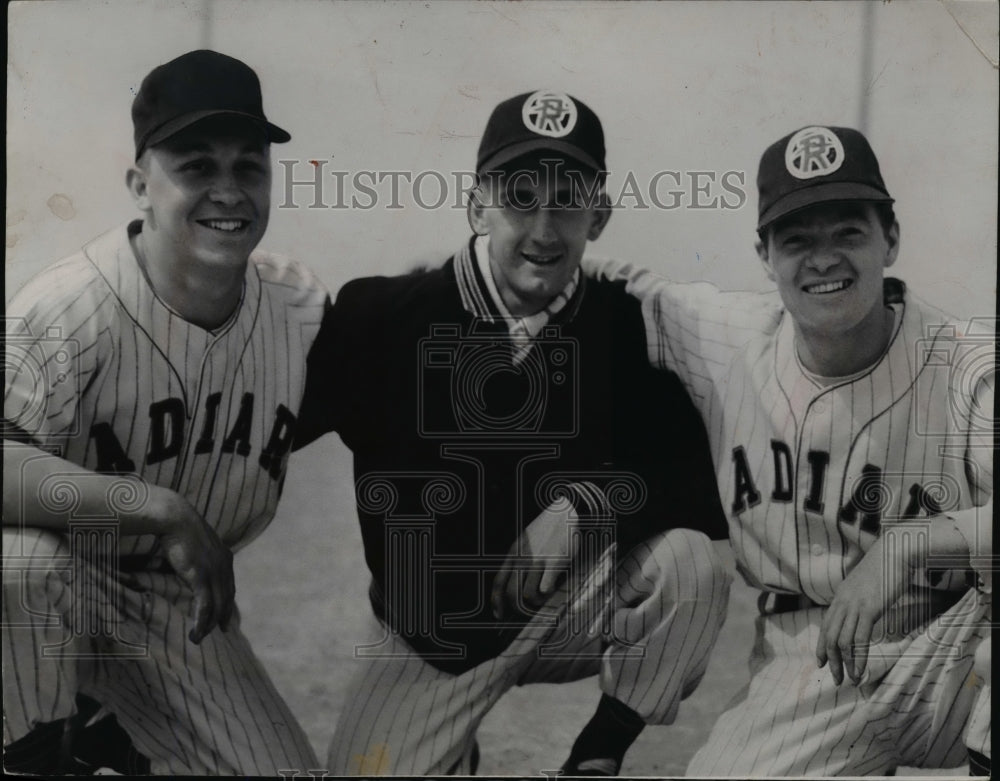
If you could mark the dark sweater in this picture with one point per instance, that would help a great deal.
(456, 449)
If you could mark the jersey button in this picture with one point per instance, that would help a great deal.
(821, 406)
(817, 549)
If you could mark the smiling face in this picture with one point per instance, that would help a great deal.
(539, 219)
(205, 194)
(828, 262)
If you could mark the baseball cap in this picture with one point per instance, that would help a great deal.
(194, 86)
(541, 120)
(816, 164)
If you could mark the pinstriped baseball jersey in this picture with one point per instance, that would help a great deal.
(134, 387)
(103, 372)
(808, 470)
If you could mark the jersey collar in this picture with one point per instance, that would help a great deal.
(113, 257)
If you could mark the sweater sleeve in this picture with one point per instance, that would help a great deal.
(336, 377)
(661, 440)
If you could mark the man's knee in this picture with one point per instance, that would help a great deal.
(700, 572)
(983, 659)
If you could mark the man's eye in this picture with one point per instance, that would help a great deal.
(521, 200)
(251, 166)
(195, 166)
(567, 201)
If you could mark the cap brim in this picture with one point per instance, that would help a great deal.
(274, 133)
(514, 151)
(821, 193)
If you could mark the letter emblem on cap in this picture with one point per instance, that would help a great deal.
(550, 114)
(813, 151)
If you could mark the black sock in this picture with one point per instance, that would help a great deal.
(40, 752)
(106, 744)
(979, 764)
(608, 735)
(103, 743)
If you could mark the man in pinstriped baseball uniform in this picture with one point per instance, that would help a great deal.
(521, 486)
(152, 386)
(851, 426)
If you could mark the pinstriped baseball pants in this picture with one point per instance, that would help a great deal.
(192, 709)
(793, 720)
(980, 732)
(646, 628)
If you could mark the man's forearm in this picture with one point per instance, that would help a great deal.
(32, 497)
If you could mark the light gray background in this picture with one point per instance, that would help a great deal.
(409, 86)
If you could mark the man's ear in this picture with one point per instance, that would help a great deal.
(892, 236)
(475, 212)
(599, 219)
(135, 180)
(765, 260)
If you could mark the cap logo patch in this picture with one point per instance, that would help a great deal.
(550, 114)
(813, 151)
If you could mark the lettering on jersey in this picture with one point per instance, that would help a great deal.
(818, 462)
(782, 472)
(272, 457)
(870, 498)
(921, 501)
(207, 439)
(745, 492)
(110, 453)
(167, 436)
(238, 438)
(160, 412)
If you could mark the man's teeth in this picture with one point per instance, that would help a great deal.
(827, 287)
(224, 225)
(543, 259)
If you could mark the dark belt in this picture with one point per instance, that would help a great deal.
(783, 603)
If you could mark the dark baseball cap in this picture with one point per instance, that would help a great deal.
(817, 164)
(190, 88)
(541, 120)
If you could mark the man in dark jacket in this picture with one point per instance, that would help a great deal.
(535, 500)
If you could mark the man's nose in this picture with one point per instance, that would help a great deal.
(225, 190)
(823, 258)
(543, 229)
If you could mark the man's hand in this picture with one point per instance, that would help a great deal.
(870, 589)
(192, 548)
(544, 549)
(203, 562)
